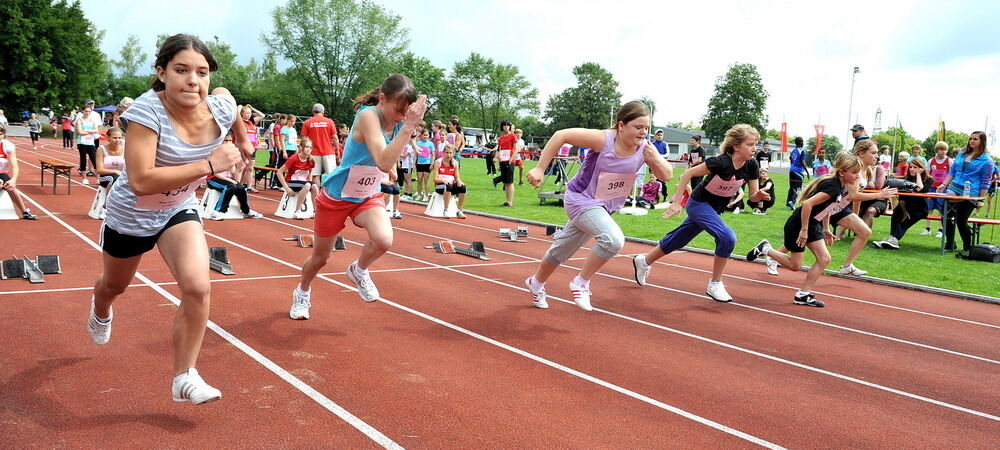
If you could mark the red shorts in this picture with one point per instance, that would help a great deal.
(332, 214)
(519, 162)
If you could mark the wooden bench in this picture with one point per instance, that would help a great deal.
(263, 172)
(58, 168)
(976, 223)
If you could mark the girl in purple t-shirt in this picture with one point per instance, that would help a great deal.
(598, 190)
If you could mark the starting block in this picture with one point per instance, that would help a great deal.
(7, 211)
(308, 241)
(218, 260)
(476, 249)
(508, 235)
(551, 229)
(97, 206)
(31, 269)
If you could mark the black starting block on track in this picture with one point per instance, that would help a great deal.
(509, 235)
(308, 241)
(551, 229)
(34, 270)
(476, 249)
(218, 260)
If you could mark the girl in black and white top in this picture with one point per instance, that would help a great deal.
(174, 141)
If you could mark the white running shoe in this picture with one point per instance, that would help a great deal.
(718, 292)
(641, 268)
(889, 243)
(459, 214)
(366, 287)
(926, 232)
(938, 235)
(253, 215)
(300, 304)
(581, 295)
(298, 216)
(397, 215)
(772, 266)
(194, 389)
(215, 215)
(85, 180)
(99, 332)
(851, 270)
(538, 297)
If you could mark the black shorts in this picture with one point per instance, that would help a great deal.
(5, 177)
(506, 172)
(126, 246)
(425, 168)
(836, 217)
(34, 136)
(296, 185)
(389, 189)
(454, 188)
(880, 205)
(402, 175)
(792, 227)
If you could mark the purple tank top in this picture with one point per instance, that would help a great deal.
(580, 194)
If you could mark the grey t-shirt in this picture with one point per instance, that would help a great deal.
(130, 214)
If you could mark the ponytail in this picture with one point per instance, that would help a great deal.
(369, 98)
(844, 162)
(396, 86)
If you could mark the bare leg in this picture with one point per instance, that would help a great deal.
(591, 266)
(118, 274)
(15, 197)
(300, 198)
(376, 222)
(544, 270)
(509, 188)
(822, 260)
(654, 255)
(861, 234)
(447, 199)
(185, 251)
(791, 262)
(461, 202)
(322, 246)
(718, 267)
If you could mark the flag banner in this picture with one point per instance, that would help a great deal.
(784, 137)
(819, 138)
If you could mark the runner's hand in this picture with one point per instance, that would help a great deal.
(760, 196)
(415, 113)
(829, 237)
(888, 192)
(535, 177)
(674, 208)
(224, 157)
(801, 240)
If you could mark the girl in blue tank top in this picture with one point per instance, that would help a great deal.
(598, 190)
(386, 118)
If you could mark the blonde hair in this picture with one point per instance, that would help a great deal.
(736, 135)
(303, 141)
(844, 163)
(941, 145)
(903, 154)
(861, 147)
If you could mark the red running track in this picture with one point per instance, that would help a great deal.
(454, 355)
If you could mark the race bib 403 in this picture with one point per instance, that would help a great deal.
(362, 182)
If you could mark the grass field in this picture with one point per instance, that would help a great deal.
(918, 260)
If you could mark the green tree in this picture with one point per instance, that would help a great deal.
(831, 144)
(739, 97)
(124, 78)
(231, 74)
(132, 58)
(531, 126)
(896, 138)
(592, 103)
(340, 47)
(50, 55)
(487, 92)
(428, 78)
(955, 139)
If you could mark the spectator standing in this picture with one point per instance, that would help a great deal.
(322, 131)
(938, 166)
(970, 176)
(696, 157)
(797, 172)
(859, 133)
(34, 129)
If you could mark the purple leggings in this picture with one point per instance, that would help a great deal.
(701, 217)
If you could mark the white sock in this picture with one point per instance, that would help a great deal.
(714, 282)
(298, 287)
(580, 281)
(643, 261)
(182, 377)
(802, 293)
(358, 270)
(535, 284)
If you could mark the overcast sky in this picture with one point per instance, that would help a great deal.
(919, 60)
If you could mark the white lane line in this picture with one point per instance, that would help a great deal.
(526, 354)
(682, 333)
(306, 389)
(763, 310)
(795, 288)
(271, 277)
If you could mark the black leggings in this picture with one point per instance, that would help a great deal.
(794, 186)
(228, 191)
(85, 151)
(959, 213)
(898, 224)
(67, 136)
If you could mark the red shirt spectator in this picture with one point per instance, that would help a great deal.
(323, 133)
(297, 169)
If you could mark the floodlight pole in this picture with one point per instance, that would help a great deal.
(850, 106)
